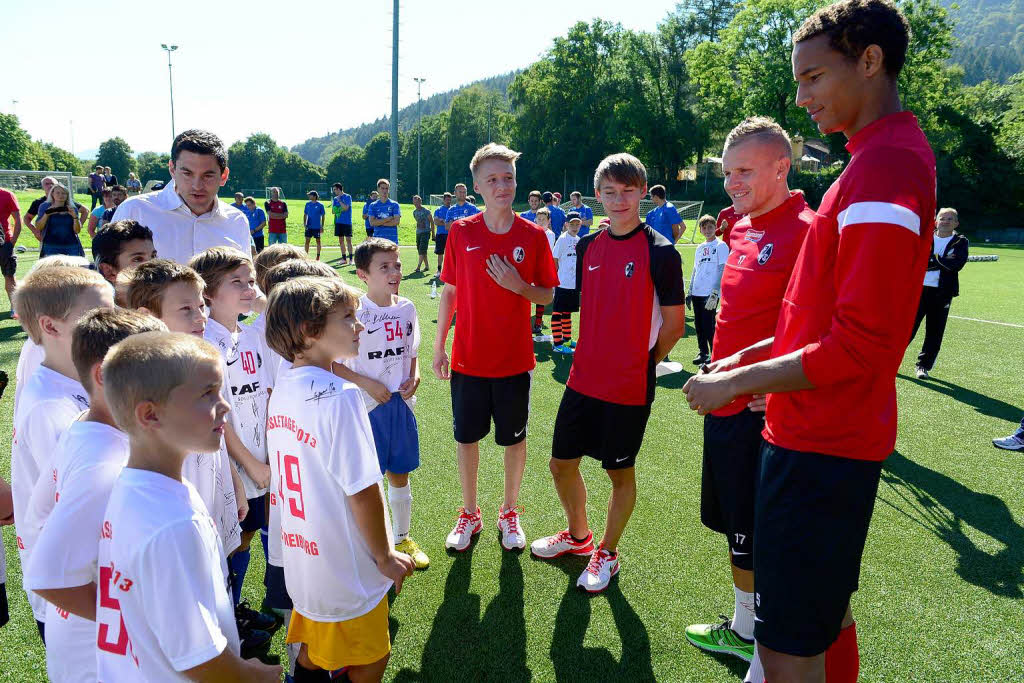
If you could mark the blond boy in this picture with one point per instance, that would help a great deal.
(49, 303)
(339, 557)
(163, 608)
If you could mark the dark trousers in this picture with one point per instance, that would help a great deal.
(258, 239)
(97, 198)
(704, 324)
(935, 307)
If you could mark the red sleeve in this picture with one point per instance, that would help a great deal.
(450, 250)
(544, 272)
(885, 219)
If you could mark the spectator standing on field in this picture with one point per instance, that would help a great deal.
(664, 217)
(96, 184)
(277, 215)
(59, 225)
(441, 229)
(185, 216)
(424, 232)
(96, 220)
(134, 185)
(109, 179)
(366, 214)
(33, 209)
(313, 220)
(941, 284)
(341, 207)
(557, 215)
(257, 221)
(8, 260)
(705, 286)
(585, 212)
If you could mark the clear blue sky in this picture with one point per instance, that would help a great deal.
(260, 65)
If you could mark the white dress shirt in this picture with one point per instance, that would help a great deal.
(179, 234)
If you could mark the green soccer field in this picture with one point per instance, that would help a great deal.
(943, 572)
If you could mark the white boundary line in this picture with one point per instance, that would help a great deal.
(990, 322)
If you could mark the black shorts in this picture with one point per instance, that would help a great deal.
(276, 592)
(5, 614)
(811, 520)
(422, 242)
(439, 242)
(314, 233)
(609, 432)
(257, 517)
(566, 300)
(476, 400)
(732, 458)
(342, 229)
(8, 260)
(369, 231)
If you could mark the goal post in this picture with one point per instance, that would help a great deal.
(17, 180)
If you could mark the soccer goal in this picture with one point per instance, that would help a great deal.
(689, 211)
(31, 181)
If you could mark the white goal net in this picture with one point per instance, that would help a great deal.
(31, 181)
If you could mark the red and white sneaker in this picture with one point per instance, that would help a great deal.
(466, 527)
(604, 564)
(560, 544)
(512, 536)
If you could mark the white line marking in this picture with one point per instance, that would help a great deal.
(990, 322)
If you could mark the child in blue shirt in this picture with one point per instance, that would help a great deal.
(313, 219)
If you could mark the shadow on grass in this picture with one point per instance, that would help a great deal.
(674, 381)
(945, 507)
(986, 405)
(499, 637)
(573, 661)
(561, 363)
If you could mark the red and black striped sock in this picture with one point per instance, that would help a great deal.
(556, 328)
(538, 316)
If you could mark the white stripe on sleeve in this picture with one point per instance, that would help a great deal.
(880, 212)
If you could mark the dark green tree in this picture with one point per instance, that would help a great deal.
(117, 154)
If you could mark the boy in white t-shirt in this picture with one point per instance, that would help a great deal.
(229, 293)
(567, 297)
(705, 285)
(542, 217)
(163, 608)
(387, 370)
(339, 557)
(89, 456)
(49, 302)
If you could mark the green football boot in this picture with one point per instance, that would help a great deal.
(720, 638)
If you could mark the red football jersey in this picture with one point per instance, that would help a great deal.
(623, 282)
(492, 324)
(727, 218)
(276, 225)
(762, 252)
(851, 301)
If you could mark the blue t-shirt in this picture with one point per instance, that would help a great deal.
(557, 219)
(342, 217)
(662, 218)
(382, 211)
(455, 212)
(256, 216)
(440, 216)
(366, 215)
(529, 215)
(314, 211)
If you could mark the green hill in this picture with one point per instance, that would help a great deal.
(991, 34)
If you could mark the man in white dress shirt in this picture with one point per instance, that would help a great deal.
(186, 217)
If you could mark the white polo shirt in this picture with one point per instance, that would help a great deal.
(179, 234)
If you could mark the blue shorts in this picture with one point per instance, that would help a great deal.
(257, 517)
(277, 238)
(396, 436)
(277, 593)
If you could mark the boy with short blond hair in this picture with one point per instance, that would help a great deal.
(339, 556)
(387, 370)
(90, 454)
(229, 293)
(49, 303)
(163, 609)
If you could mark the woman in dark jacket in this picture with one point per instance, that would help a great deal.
(941, 284)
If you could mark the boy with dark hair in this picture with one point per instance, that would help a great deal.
(385, 213)
(830, 369)
(585, 212)
(424, 232)
(120, 245)
(534, 200)
(441, 225)
(631, 300)
(366, 213)
(664, 217)
(339, 557)
(257, 221)
(49, 304)
(313, 219)
(341, 208)
(89, 456)
(498, 264)
(163, 609)
(557, 215)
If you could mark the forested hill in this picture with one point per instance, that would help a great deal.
(320, 150)
(991, 34)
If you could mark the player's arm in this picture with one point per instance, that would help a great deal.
(377, 390)
(343, 206)
(673, 327)
(6, 504)
(323, 216)
(16, 233)
(445, 313)
(258, 471)
(80, 600)
(372, 519)
(227, 666)
(30, 220)
(93, 222)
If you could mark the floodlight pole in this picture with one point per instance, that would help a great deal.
(394, 102)
(170, 81)
(419, 132)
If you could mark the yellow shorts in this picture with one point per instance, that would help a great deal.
(335, 644)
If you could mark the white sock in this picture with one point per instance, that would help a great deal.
(755, 674)
(743, 614)
(400, 500)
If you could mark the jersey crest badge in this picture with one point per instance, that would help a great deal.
(629, 269)
(518, 254)
(766, 253)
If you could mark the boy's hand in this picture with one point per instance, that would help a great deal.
(442, 364)
(259, 472)
(758, 403)
(377, 391)
(707, 392)
(505, 274)
(264, 672)
(243, 507)
(409, 386)
(396, 566)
